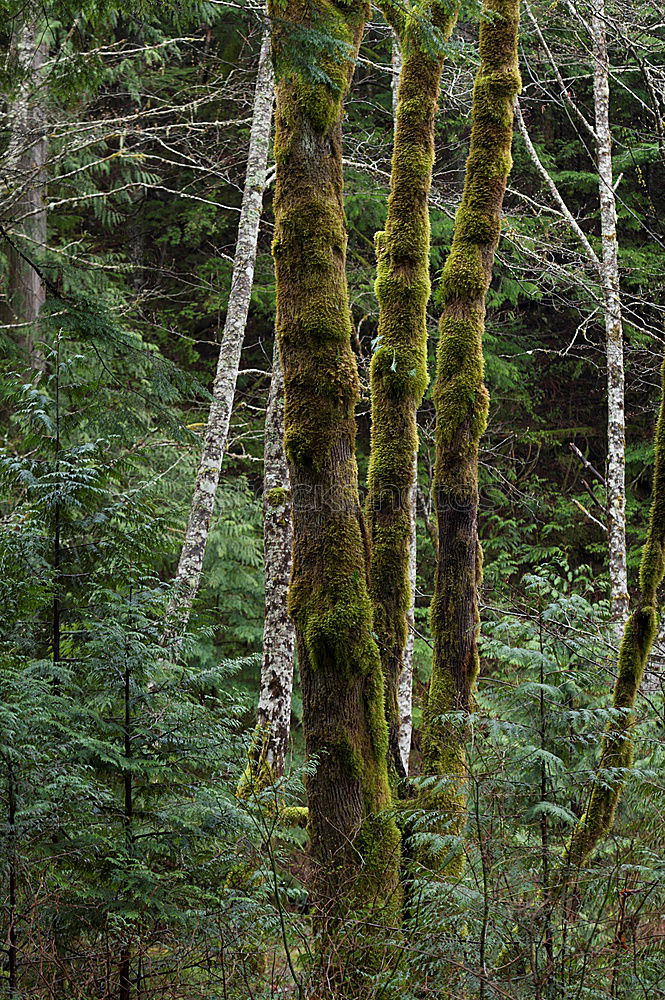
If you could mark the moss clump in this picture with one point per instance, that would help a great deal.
(293, 817)
(278, 496)
(258, 774)
(313, 69)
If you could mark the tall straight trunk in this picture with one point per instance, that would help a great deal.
(355, 845)
(274, 714)
(190, 565)
(461, 404)
(609, 275)
(25, 176)
(396, 60)
(405, 689)
(638, 636)
(398, 374)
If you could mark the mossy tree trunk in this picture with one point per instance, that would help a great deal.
(355, 844)
(639, 633)
(461, 403)
(399, 366)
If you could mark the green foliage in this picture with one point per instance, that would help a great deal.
(542, 706)
(118, 767)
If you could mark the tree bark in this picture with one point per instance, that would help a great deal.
(355, 845)
(25, 178)
(190, 565)
(609, 273)
(398, 374)
(274, 713)
(405, 690)
(461, 404)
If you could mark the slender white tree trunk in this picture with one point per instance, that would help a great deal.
(274, 714)
(616, 427)
(188, 574)
(405, 690)
(397, 69)
(24, 180)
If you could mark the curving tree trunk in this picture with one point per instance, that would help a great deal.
(355, 845)
(24, 174)
(461, 404)
(398, 374)
(190, 564)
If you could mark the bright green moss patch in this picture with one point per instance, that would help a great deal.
(278, 496)
(293, 817)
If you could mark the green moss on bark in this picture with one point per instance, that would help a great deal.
(354, 840)
(461, 403)
(398, 374)
(278, 496)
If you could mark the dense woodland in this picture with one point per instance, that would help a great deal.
(332, 500)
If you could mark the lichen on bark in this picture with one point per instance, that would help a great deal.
(398, 374)
(190, 563)
(354, 840)
(461, 404)
(271, 736)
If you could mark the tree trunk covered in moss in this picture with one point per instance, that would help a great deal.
(354, 841)
(639, 633)
(461, 404)
(398, 374)
(24, 174)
